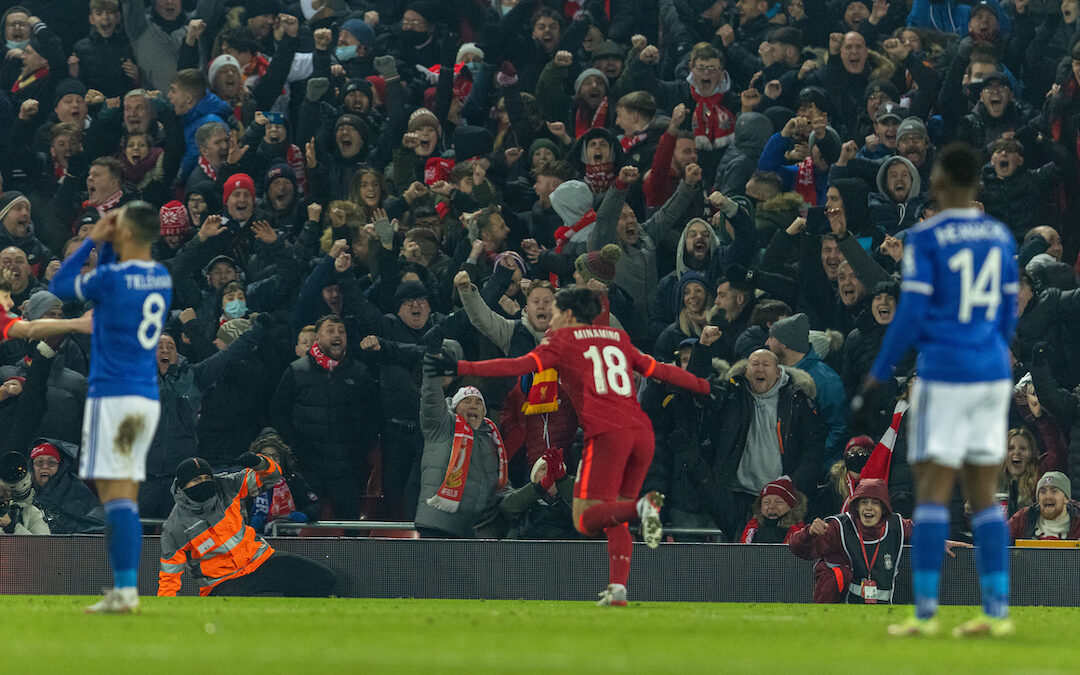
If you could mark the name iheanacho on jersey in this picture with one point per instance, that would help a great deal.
(139, 282)
(959, 233)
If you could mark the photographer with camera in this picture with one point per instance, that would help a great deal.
(18, 515)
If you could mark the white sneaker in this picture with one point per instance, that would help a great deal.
(613, 596)
(116, 601)
(648, 508)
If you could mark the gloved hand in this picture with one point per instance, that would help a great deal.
(249, 460)
(298, 517)
(433, 340)
(258, 522)
(316, 88)
(863, 404)
(386, 67)
(439, 365)
(15, 513)
(555, 462)
(1039, 354)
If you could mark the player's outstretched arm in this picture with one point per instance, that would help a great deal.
(43, 328)
(650, 367)
(522, 365)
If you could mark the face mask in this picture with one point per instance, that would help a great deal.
(345, 53)
(17, 44)
(855, 461)
(201, 492)
(413, 38)
(236, 308)
(474, 67)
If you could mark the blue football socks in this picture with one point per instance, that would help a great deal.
(992, 559)
(123, 535)
(928, 533)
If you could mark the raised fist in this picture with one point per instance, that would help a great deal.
(563, 59)
(649, 55)
(462, 281)
(638, 42)
(693, 174)
(836, 40)
(322, 39)
(28, 109)
(628, 174)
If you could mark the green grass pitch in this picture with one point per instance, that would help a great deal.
(48, 634)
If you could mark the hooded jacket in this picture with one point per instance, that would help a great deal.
(731, 412)
(67, 504)
(887, 214)
(212, 539)
(579, 158)
(209, 109)
(790, 523)
(752, 132)
(830, 545)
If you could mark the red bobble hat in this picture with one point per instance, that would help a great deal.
(174, 219)
(242, 181)
(783, 488)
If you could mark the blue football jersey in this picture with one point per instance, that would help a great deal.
(131, 302)
(958, 299)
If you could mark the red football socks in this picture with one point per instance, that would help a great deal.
(607, 514)
(620, 546)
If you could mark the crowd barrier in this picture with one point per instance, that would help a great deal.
(372, 567)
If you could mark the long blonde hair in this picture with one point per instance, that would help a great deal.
(1029, 478)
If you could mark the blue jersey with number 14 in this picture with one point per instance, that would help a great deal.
(131, 300)
(957, 301)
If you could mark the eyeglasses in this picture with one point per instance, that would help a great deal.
(45, 462)
(708, 69)
(412, 23)
(995, 88)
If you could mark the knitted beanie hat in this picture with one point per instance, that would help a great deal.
(599, 265)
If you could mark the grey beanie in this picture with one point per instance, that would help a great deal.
(793, 332)
(1056, 479)
(39, 303)
(589, 72)
(912, 125)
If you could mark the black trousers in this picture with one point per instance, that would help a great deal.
(402, 446)
(283, 574)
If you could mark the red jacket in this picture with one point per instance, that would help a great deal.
(660, 184)
(1023, 522)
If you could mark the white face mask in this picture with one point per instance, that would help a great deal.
(17, 44)
(307, 9)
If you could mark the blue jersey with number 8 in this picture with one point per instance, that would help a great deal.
(958, 299)
(131, 303)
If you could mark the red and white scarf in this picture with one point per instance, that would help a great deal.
(277, 502)
(599, 177)
(40, 74)
(880, 460)
(805, 182)
(324, 361)
(104, 206)
(598, 121)
(565, 234)
(210, 171)
(714, 125)
(448, 497)
(628, 141)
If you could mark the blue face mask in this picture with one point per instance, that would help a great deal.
(505, 10)
(236, 308)
(474, 67)
(17, 44)
(345, 53)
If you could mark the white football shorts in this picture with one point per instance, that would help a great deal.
(117, 431)
(956, 423)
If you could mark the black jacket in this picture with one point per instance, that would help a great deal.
(326, 417)
(68, 505)
(99, 62)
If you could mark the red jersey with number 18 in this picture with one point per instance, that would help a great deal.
(595, 365)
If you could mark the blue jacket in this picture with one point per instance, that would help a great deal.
(209, 109)
(952, 17)
(772, 159)
(831, 404)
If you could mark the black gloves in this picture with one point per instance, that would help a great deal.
(433, 340)
(1039, 354)
(439, 365)
(15, 513)
(249, 460)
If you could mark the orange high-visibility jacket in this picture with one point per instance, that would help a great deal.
(210, 539)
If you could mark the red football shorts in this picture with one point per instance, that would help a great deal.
(614, 464)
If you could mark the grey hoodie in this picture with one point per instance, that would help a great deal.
(761, 461)
(887, 213)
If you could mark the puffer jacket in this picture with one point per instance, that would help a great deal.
(212, 539)
(801, 431)
(67, 504)
(479, 499)
(886, 213)
(326, 416)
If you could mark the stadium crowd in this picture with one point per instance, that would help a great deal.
(346, 184)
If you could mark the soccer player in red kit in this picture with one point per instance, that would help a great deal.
(595, 365)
